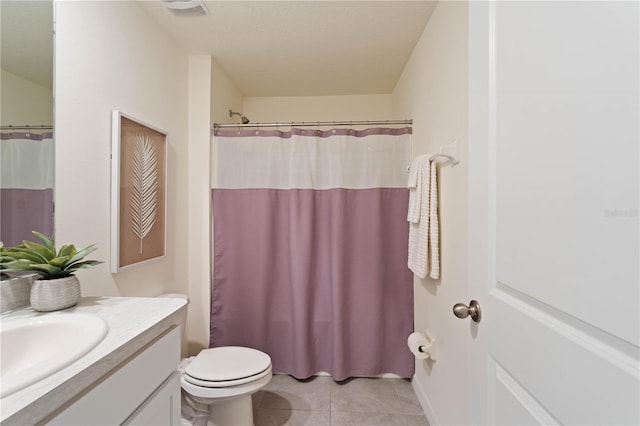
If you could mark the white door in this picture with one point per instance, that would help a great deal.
(553, 243)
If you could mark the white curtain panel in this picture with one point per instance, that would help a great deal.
(310, 159)
(26, 162)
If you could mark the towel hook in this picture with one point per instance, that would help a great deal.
(450, 151)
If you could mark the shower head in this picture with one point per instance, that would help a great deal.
(244, 119)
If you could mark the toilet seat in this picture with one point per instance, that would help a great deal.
(215, 395)
(227, 366)
(226, 383)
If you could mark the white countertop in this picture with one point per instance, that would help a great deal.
(133, 323)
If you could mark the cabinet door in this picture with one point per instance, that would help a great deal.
(162, 407)
(128, 387)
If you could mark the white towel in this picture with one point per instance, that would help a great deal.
(415, 190)
(434, 224)
(424, 255)
(414, 168)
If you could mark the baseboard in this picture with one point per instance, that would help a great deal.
(429, 412)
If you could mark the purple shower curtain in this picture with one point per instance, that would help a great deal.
(316, 278)
(26, 186)
(23, 211)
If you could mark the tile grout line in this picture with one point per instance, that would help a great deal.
(330, 402)
(404, 410)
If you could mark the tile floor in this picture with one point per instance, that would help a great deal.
(321, 401)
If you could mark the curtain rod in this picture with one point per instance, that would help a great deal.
(26, 127)
(316, 123)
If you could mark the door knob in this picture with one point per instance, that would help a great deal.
(462, 311)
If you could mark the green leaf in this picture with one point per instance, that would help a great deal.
(82, 252)
(18, 263)
(40, 249)
(15, 255)
(82, 265)
(50, 270)
(48, 242)
(60, 262)
(67, 250)
(5, 256)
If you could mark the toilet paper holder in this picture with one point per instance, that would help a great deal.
(422, 345)
(431, 348)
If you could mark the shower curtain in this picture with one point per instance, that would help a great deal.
(26, 186)
(310, 249)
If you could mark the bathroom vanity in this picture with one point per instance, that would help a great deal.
(129, 377)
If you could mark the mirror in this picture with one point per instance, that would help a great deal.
(26, 120)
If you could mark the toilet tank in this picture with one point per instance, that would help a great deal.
(183, 322)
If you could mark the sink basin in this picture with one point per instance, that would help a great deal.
(34, 348)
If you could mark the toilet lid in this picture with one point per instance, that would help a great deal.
(227, 363)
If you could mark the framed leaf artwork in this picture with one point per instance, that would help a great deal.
(138, 192)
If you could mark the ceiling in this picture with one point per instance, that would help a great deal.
(303, 48)
(268, 48)
(26, 34)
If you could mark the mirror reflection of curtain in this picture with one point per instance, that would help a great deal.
(310, 249)
(26, 185)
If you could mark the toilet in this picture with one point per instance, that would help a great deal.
(223, 379)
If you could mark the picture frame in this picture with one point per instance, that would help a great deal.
(138, 192)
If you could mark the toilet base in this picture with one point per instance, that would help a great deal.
(226, 406)
(236, 411)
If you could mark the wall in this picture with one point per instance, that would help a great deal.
(199, 257)
(225, 96)
(433, 91)
(110, 55)
(211, 94)
(318, 108)
(24, 102)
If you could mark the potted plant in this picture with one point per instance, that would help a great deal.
(56, 286)
(14, 289)
(3, 250)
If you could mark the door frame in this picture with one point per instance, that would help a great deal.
(481, 196)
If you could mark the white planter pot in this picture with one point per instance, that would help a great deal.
(53, 295)
(14, 292)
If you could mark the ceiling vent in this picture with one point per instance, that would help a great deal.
(186, 8)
